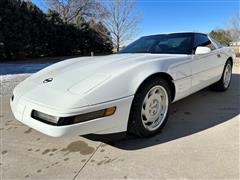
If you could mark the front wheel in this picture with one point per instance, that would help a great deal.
(150, 107)
(224, 83)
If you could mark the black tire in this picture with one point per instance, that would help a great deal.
(219, 86)
(135, 124)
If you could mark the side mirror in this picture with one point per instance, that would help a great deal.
(202, 50)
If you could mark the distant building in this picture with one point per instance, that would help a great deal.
(235, 43)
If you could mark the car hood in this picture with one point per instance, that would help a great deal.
(89, 70)
(79, 76)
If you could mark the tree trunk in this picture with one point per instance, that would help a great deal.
(118, 44)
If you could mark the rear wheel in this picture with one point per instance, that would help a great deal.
(224, 83)
(150, 107)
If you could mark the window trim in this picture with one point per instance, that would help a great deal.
(216, 46)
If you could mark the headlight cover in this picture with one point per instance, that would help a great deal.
(63, 121)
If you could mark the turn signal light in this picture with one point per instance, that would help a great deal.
(109, 111)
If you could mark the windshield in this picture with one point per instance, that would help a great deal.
(162, 44)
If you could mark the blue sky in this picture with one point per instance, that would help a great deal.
(181, 15)
(185, 15)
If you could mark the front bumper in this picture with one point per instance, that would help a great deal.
(117, 122)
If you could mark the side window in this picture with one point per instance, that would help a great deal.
(202, 40)
(178, 45)
(141, 45)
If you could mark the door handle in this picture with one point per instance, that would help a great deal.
(218, 55)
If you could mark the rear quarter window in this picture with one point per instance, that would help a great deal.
(218, 44)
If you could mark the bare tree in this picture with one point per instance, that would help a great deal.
(234, 26)
(70, 10)
(122, 21)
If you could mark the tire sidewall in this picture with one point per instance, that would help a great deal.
(222, 79)
(135, 114)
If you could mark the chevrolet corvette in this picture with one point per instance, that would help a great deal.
(128, 91)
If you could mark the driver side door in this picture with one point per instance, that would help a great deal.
(206, 68)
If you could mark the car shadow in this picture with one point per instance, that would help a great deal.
(196, 113)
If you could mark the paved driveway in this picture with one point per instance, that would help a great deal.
(200, 141)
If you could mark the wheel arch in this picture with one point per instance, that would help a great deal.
(229, 59)
(165, 76)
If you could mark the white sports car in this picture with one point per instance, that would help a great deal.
(129, 91)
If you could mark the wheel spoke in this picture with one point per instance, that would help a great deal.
(145, 114)
(154, 108)
(227, 75)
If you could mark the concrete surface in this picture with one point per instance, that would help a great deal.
(200, 141)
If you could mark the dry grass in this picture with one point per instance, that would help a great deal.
(237, 62)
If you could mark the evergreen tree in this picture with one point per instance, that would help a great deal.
(25, 31)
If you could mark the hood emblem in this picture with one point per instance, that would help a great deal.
(48, 80)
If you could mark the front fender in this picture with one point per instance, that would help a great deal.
(128, 81)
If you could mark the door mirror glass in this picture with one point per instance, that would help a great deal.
(202, 50)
